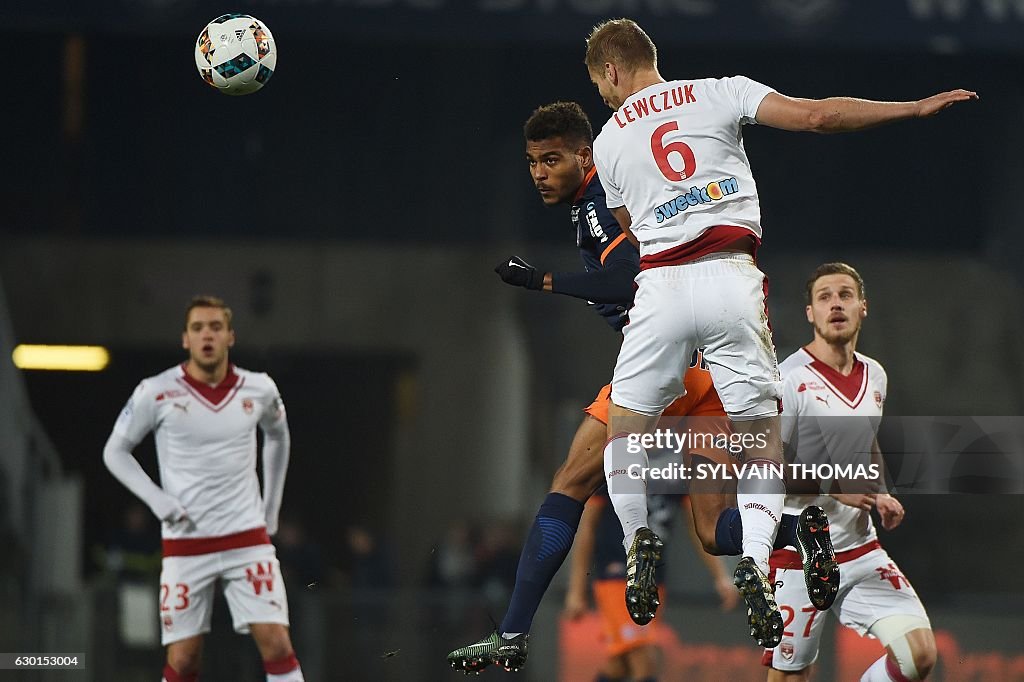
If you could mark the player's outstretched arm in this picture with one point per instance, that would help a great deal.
(848, 114)
(117, 456)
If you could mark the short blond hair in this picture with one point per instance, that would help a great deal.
(835, 268)
(207, 301)
(623, 43)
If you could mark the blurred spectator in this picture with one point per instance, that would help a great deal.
(131, 552)
(497, 560)
(301, 560)
(453, 563)
(368, 562)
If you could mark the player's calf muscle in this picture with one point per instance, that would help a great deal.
(583, 470)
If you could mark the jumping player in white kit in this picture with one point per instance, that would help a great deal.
(216, 525)
(677, 177)
(833, 401)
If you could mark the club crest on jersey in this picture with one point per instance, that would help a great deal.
(878, 398)
(786, 649)
(168, 623)
(247, 405)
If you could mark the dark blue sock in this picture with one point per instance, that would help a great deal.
(601, 677)
(545, 549)
(786, 536)
(729, 532)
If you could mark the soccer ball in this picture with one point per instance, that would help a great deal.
(236, 54)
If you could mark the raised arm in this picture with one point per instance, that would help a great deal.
(847, 114)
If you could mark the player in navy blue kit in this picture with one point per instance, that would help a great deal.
(558, 139)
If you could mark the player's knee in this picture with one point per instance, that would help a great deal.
(273, 641)
(576, 482)
(910, 643)
(185, 658)
(923, 653)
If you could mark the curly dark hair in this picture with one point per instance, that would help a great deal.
(560, 119)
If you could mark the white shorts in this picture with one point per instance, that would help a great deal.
(871, 587)
(716, 302)
(252, 584)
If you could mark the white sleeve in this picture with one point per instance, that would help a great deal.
(276, 452)
(790, 411)
(613, 196)
(134, 422)
(746, 94)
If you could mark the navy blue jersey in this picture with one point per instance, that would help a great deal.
(610, 261)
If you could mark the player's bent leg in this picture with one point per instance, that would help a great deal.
(275, 646)
(922, 650)
(184, 658)
(582, 473)
(910, 649)
(709, 498)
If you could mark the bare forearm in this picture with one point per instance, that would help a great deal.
(847, 114)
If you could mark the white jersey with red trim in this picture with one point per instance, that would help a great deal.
(206, 444)
(831, 418)
(673, 155)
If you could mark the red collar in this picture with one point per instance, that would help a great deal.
(849, 386)
(214, 394)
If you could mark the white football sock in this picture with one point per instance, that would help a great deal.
(627, 493)
(760, 495)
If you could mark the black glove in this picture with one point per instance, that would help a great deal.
(519, 273)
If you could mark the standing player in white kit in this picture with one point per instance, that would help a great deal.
(216, 525)
(833, 398)
(677, 177)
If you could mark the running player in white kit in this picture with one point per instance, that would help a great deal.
(677, 177)
(833, 398)
(216, 525)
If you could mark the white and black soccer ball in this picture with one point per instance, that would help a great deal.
(236, 54)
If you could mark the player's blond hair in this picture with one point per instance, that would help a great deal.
(836, 268)
(207, 301)
(623, 43)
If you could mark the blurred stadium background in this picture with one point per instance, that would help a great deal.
(351, 214)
